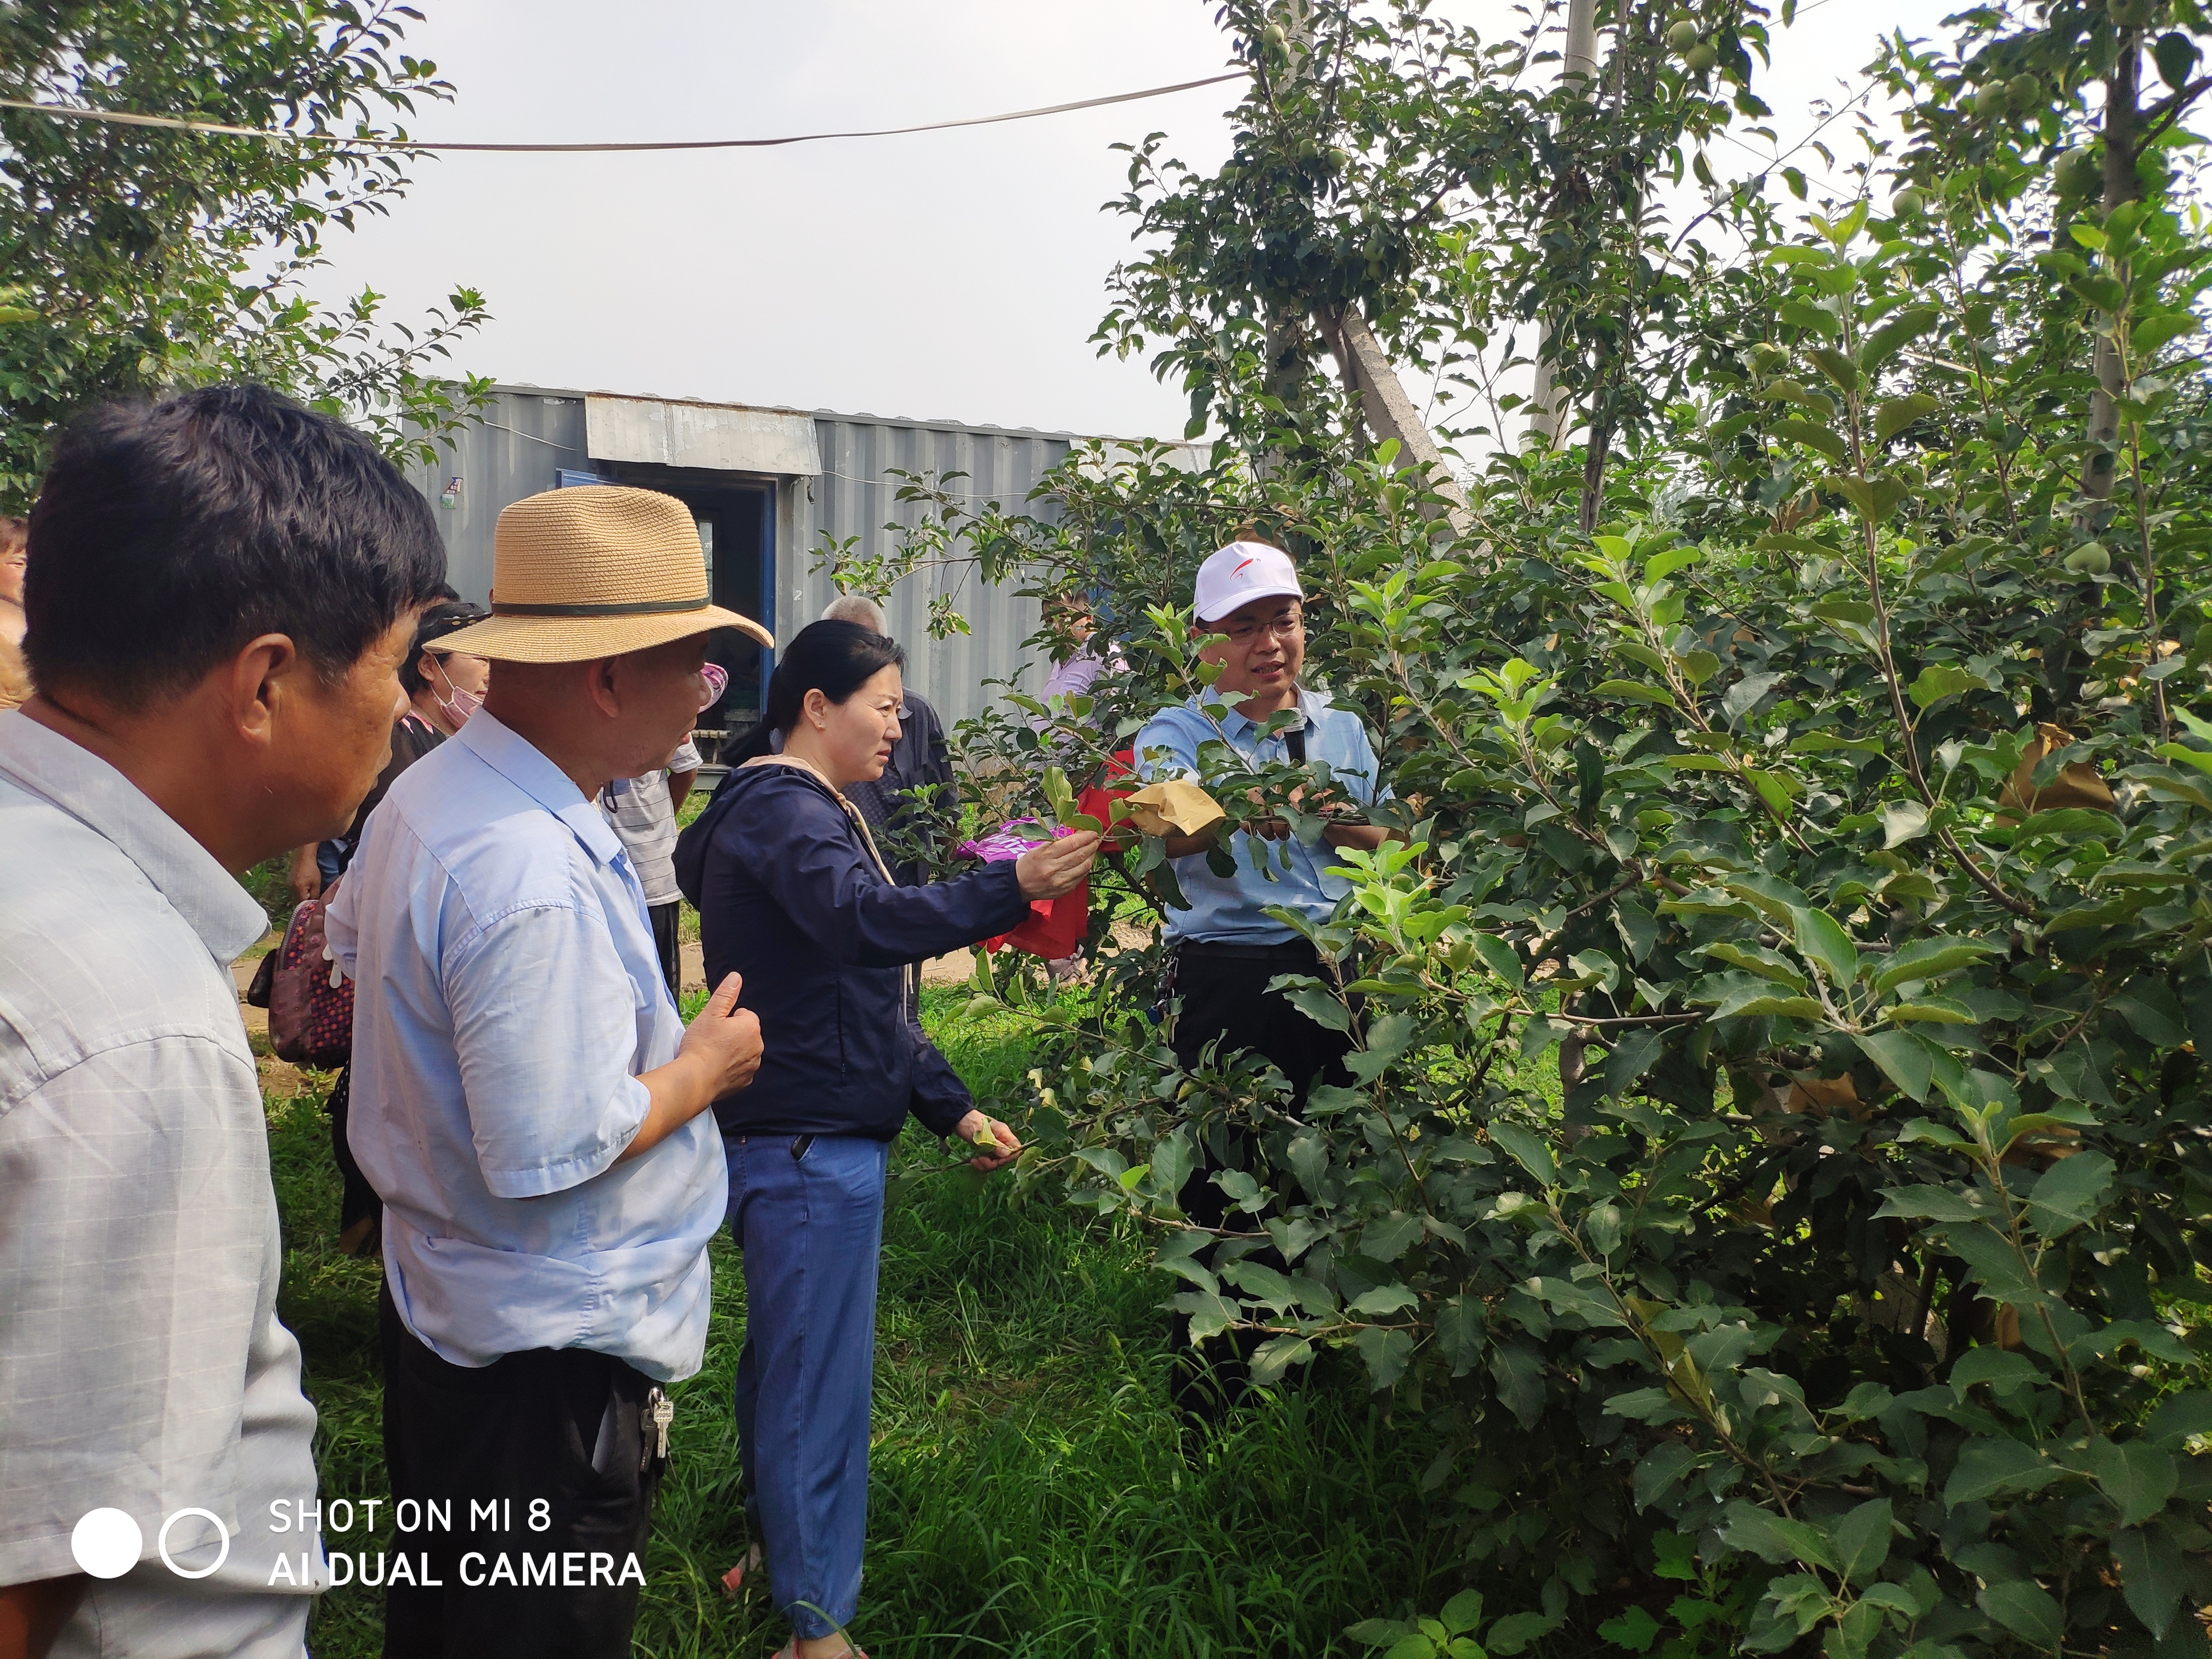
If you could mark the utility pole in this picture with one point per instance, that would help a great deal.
(1548, 414)
(1384, 407)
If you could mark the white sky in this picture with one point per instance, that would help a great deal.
(947, 276)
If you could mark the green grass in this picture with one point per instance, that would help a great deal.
(1031, 1492)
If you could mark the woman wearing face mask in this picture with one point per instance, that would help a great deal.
(793, 895)
(443, 687)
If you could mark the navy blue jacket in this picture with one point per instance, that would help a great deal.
(789, 897)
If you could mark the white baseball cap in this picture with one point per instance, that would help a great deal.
(1241, 573)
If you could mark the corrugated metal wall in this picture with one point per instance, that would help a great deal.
(525, 436)
(530, 433)
(856, 496)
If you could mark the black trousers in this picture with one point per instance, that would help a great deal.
(664, 918)
(533, 1479)
(1225, 999)
(357, 1200)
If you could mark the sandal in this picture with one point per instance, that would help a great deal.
(733, 1580)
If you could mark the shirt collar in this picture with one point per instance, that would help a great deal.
(77, 781)
(515, 758)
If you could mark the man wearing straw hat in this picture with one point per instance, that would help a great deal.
(528, 1103)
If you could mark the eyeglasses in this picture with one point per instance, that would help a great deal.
(1283, 628)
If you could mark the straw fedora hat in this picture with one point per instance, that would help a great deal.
(595, 571)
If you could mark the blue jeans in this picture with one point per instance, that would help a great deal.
(810, 1226)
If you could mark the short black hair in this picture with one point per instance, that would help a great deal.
(167, 534)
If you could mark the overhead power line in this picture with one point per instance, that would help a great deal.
(184, 124)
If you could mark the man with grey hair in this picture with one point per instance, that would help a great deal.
(921, 760)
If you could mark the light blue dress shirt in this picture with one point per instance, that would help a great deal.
(141, 1364)
(509, 995)
(1232, 910)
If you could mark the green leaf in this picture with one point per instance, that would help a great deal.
(1318, 1006)
(1260, 1282)
(1661, 1467)
(1903, 1059)
(1635, 1630)
(1500, 958)
(1759, 960)
(1754, 1004)
(1822, 941)
(1930, 1013)
(1940, 680)
(2179, 1416)
(1931, 958)
(1386, 1239)
(2155, 1013)
(1513, 1633)
(2150, 334)
(2137, 1476)
(1276, 1356)
(2068, 1194)
(1987, 1468)
(1386, 1349)
(1861, 1540)
(2026, 1609)
(1903, 821)
(1374, 1632)
(1462, 1613)
(1892, 336)
(1635, 691)
(1874, 498)
(2150, 1576)
(1840, 371)
(1996, 1265)
(2175, 54)
(2001, 1371)
(1814, 437)
(1566, 1296)
(1926, 1203)
(1519, 1373)
(1661, 565)
(1893, 418)
(1776, 1538)
(1462, 1330)
(1524, 1148)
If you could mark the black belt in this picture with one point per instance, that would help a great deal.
(1294, 951)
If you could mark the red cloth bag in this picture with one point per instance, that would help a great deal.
(1055, 928)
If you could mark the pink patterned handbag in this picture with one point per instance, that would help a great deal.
(310, 1002)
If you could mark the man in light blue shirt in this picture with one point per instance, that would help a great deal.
(223, 587)
(1226, 948)
(527, 1101)
(1231, 909)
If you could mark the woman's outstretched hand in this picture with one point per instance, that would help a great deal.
(979, 1131)
(1053, 867)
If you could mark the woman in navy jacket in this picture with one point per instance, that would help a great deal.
(792, 894)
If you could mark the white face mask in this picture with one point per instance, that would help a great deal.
(463, 703)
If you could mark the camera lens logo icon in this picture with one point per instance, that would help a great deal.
(107, 1542)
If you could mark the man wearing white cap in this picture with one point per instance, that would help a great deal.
(528, 1103)
(1226, 946)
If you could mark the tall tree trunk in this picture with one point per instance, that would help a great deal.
(2122, 99)
(1548, 412)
